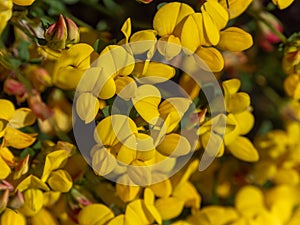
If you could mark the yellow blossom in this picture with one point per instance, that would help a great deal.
(95, 214)
(282, 4)
(11, 217)
(71, 65)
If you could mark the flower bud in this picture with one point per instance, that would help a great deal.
(33, 202)
(73, 32)
(56, 34)
(16, 201)
(39, 77)
(14, 87)
(11, 217)
(62, 33)
(268, 37)
(60, 181)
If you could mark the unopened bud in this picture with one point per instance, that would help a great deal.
(14, 87)
(16, 201)
(56, 34)
(72, 31)
(62, 33)
(39, 77)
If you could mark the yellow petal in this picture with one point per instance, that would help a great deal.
(191, 35)
(60, 181)
(170, 207)
(137, 214)
(236, 7)
(12, 217)
(18, 139)
(149, 203)
(103, 162)
(3, 126)
(245, 121)
(4, 169)
(7, 109)
(248, 197)
(189, 194)
(23, 2)
(218, 14)
(22, 117)
(292, 86)
(212, 215)
(116, 60)
(33, 202)
(169, 46)
(211, 32)
(190, 86)
(32, 182)
(287, 176)
(97, 82)
(126, 29)
(54, 160)
(142, 41)
(126, 87)
(140, 173)
(282, 4)
(231, 86)
(44, 217)
(235, 39)
(169, 15)
(243, 149)
(212, 57)
(127, 192)
(162, 189)
(71, 66)
(174, 145)
(155, 72)
(95, 214)
(87, 107)
(147, 97)
(114, 129)
(119, 220)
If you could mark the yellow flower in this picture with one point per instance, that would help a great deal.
(176, 193)
(142, 211)
(33, 202)
(5, 13)
(282, 4)
(43, 217)
(95, 214)
(23, 2)
(236, 7)
(11, 217)
(60, 181)
(71, 65)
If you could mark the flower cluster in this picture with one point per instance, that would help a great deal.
(148, 121)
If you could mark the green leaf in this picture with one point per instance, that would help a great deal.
(27, 151)
(24, 50)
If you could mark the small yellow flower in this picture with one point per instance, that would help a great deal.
(282, 4)
(11, 217)
(95, 214)
(33, 202)
(71, 65)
